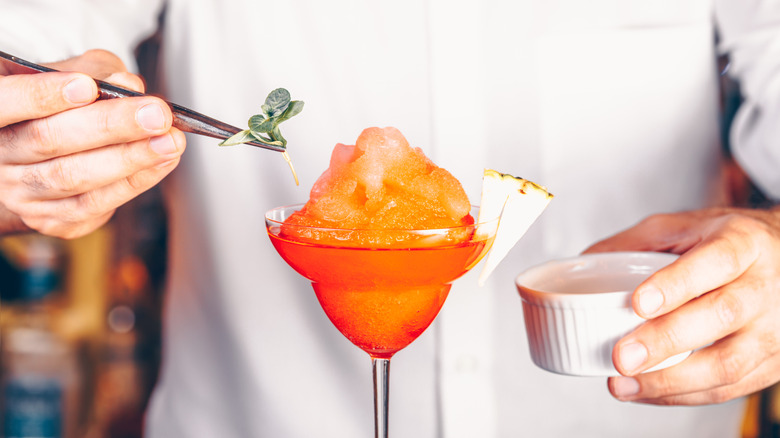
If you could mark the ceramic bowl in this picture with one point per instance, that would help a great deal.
(576, 309)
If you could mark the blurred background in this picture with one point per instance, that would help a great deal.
(80, 320)
(80, 326)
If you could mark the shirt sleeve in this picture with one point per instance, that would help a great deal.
(750, 34)
(52, 30)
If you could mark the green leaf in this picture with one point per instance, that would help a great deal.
(292, 110)
(240, 137)
(256, 120)
(277, 101)
(259, 124)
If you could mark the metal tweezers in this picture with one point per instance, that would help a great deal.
(183, 118)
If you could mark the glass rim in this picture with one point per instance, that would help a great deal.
(269, 220)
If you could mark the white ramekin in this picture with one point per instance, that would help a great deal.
(576, 309)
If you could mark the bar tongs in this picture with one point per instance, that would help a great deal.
(183, 118)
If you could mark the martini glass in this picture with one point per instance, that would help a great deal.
(381, 288)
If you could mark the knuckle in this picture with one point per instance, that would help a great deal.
(45, 136)
(67, 213)
(727, 246)
(143, 178)
(64, 175)
(103, 123)
(32, 178)
(730, 367)
(669, 338)
(136, 182)
(130, 157)
(729, 254)
(38, 93)
(663, 385)
(746, 232)
(90, 205)
(728, 309)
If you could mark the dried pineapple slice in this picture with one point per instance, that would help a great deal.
(517, 202)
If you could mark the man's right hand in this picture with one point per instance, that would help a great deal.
(67, 160)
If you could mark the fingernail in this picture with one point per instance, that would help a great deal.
(632, 356)
(79, 90)
(163, 145)
(650, 300)
(151, 117)
(624, 386)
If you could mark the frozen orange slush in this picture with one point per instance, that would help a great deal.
(381, 182)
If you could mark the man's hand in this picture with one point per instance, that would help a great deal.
(721, 298)
(67, 161)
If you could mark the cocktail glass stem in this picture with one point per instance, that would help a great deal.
(381, 368)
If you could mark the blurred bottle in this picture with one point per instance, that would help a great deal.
(40, 380)
(128, 354)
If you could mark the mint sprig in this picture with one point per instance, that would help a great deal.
(265, 127)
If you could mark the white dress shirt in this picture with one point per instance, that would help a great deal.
(613, 105)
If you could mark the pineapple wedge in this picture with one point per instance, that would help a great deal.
(517, 203)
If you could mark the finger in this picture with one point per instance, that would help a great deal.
(103, 65)
(97, 63)
(661, 232)
(79, 173)
(728, 250)
(70, 217)
(127, 80)
(102, 123)
(724, 363)
(10, 222)
(40, 95)
(699, 322)
(76, 230)
(761, 377)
